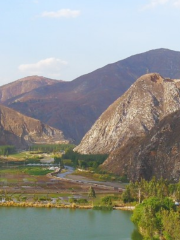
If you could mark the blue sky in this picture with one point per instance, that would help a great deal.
(63, 39)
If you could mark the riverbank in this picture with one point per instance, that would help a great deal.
(125, 208)
(69, 177)
(52, 205)
(43, 205)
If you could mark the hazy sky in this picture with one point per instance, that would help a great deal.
(63, 39)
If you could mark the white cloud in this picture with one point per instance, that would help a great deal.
(67, 13)
(48, 67)
(156, 3)
(176, 3)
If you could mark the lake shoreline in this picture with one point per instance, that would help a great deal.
(51, 205)
(56, 223)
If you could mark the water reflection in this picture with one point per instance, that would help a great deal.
(92, 216)
(66, 224)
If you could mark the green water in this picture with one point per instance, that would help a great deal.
(65, 224)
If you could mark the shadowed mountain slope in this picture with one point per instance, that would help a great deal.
(156, 154)
(19, 130)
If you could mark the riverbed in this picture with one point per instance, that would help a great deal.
(65, 224)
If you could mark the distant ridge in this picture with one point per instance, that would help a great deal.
(21, 131)
(23, 85)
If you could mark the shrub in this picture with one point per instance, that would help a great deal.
(107, 200)
(109, 208)
(82, 200)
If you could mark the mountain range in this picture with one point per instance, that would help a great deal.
(136, 122)
(74, 106)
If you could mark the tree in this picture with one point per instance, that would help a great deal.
(129, 195)
(145, 216)
(149, 217)
(91, 193)
(58, 160)
(107, 200)
(171, 223)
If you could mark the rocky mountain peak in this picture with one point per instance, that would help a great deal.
(140, 131)
(134, 114)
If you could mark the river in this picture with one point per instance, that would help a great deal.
(65, 224)
(83, 180)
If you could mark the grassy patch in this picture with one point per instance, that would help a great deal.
(28, 157)
(20, 155)
(10, 171)
(11, 180)
(22, 174)
(39, 171)
(101, 177)
(56, 195)
(30, 179)
(3, 180)
(68, 162)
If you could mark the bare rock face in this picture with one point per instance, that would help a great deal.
(156, 154)
(21, 131)
(134, 114)
(129, 120)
